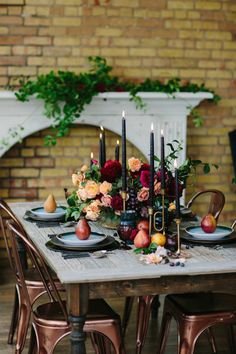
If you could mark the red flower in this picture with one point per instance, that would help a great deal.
(133, 234)
(145, 178)
(117, 202)
(111, 171)
(136, 174)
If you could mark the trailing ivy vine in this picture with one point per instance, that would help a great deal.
(65, 93)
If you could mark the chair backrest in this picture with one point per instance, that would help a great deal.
(39, 264)
(216, 204)
(7, 213)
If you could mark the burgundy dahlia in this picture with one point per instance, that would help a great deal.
(145, 178)
(111, 171)
(117, 202)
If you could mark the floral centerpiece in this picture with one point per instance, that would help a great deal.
(98, 189)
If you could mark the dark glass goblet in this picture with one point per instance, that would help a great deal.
(124, 232)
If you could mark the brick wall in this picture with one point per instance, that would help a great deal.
(191, 39)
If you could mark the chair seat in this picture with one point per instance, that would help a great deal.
(98, 309)
(204, 303)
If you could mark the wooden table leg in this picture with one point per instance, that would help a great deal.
(77, 298)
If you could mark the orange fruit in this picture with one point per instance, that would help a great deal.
(159, 239)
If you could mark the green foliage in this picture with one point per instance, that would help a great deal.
(65, 93)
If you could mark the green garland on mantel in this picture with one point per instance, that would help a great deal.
(65, 93)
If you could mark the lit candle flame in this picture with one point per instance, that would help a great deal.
(100, 135)
(101, 127)
(152, 127)
(123, 114)
(162, 132)
(118, 142)
(91, 155)
(175, 163)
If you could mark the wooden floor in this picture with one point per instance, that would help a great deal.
(6, 297)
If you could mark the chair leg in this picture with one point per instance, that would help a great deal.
(155, 307)
(14, 319)
(164, 330)
(211, 339)
(33, 342)
(126, 314)
(143, 315)
(48, 338)
(100, 344)
(231, 338)
(112, 332)
(23, 324)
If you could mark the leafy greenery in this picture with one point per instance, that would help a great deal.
(65, 93)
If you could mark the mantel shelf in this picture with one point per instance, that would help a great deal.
(167, 112)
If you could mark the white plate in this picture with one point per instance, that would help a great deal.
(40, 212)
(70, 238)
(197, 233)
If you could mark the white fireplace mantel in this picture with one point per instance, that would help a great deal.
(166, 112)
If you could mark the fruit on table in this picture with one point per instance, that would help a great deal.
(143, 224)
(82, 229)
(142, 239)
(208, 223)
(159, 239)
(50, 204)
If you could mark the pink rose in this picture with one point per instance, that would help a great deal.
(105, 187)
(134, 164)
(143, 194)
(157, 187)
(92, 189)
(106, 200)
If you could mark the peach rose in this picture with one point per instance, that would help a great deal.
(106, 200)
(92, 189)
(143, 194)
(77, 179)
(94, 206)
(105, 187)
(157, 187)
(84, 168)
(82, 194)
(91, 215)
(134, 164)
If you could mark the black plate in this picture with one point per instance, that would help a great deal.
(227, 239)
(108, 243)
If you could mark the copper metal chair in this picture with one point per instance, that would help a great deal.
(216, 202)
(145, 303)
(34, 284)
(50, 320)
(194, 314)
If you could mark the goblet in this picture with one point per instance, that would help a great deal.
(124, 232)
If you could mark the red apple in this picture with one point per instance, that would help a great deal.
(142, 239)
(208, 223)
(143, 224)
(82, 229)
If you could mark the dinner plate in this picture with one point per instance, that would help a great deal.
(220, 232)
(70, 238)
(108, 243)
(42, 214)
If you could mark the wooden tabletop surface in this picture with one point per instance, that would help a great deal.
(122, 264)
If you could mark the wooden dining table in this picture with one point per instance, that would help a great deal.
(122, 273)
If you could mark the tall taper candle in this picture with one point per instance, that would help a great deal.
(151, 159)
(124, 182)
(162, 160)
(117, 151)
(101, 162)
(177, 205)
(103, 144)
(91, 159)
